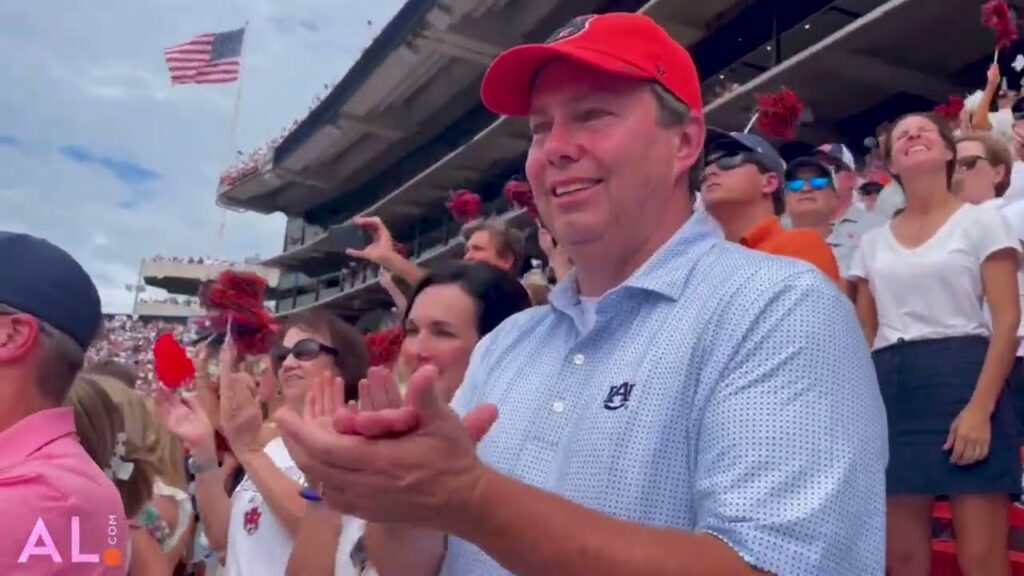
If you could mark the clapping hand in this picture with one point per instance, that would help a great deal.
(410, 464)
(186, 419)
(240, 414)
(323, 399)
(381, 412)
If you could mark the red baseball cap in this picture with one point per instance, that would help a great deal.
(619, 43)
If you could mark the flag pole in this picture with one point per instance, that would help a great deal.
(234, 136)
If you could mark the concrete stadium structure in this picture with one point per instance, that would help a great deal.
(185, 279)
(405, 126)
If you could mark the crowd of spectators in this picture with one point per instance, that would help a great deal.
(249, 163)
(204, 260)
(129, 340)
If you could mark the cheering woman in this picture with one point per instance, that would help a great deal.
(922, 281)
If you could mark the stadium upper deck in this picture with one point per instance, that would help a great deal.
(405, 126)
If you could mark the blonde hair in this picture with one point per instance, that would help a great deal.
(154, 440)
(98, 422)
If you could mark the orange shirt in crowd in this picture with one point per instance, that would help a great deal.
(807, 245)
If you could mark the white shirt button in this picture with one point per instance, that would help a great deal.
(557, 407)
(578, 359)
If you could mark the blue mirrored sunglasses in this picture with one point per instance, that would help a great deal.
(817, 183)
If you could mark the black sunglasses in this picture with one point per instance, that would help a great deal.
(730, 160)
(305, 350)
(969, 162)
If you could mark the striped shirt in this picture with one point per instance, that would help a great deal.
(719, 391)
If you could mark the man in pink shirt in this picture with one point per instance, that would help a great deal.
(59, 512)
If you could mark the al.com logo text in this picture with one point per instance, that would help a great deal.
(41, 543)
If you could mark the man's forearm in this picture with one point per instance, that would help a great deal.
(280, 492)
(404, 268)
(398, 550)
(529, 531)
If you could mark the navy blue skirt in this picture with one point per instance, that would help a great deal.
(925, 384)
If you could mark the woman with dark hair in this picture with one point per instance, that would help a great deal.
(941, 365)
(450, 310)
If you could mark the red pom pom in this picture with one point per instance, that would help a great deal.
(520, 194)
(385, 345)
(171, 363)
(998, 17)
(236, 299)
(464, 206)
(778, 114)
(951, 108)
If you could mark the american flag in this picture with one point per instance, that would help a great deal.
(207, 58)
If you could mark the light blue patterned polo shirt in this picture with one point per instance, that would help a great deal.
(721, 390)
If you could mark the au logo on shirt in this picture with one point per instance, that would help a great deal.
(618, 396)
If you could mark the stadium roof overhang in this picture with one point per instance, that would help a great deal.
(865, 64)
(505, 141)
(419, 75)
(186, 278)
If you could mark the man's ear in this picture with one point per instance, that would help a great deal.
(690, 144)
(770, 183)
(18, 334)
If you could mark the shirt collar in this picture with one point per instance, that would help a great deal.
(31, 433)
(758, 235)
(664, 273)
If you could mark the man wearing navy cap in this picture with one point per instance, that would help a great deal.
(52, 492)
(742, 190)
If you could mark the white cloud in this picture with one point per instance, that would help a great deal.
(96, 79)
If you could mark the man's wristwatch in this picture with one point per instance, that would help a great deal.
(197, 467)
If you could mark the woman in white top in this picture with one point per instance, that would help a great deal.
(258, 522)
(452, 308)
(983, 167)
(941, 368)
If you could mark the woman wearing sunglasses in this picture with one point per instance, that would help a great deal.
(941, 364)
(451, 309)
(983, 166)
(256, 524)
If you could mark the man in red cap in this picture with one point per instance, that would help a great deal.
(684, 406)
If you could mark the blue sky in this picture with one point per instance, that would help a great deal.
(99, 154)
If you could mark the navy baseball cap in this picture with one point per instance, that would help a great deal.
(40, 279)
(721, 140)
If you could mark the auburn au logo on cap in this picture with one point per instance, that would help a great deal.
(574, 27)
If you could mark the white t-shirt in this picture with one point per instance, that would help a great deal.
(1014, 214)
(934, 290)
(1016, 190)
(257, 543)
